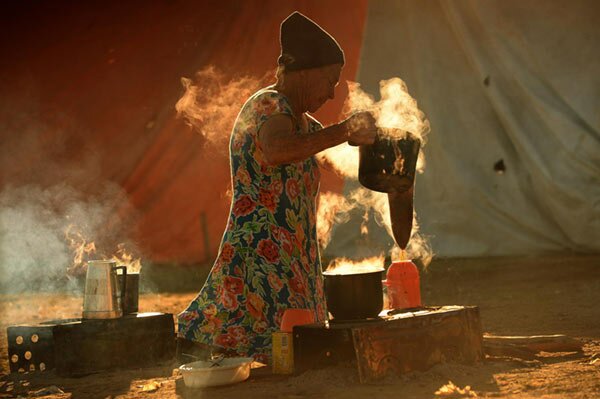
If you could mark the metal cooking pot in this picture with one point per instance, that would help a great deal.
(388, 165)
(354, 296)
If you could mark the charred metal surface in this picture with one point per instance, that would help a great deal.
(75, 346)
(393, 344)
(322, 344)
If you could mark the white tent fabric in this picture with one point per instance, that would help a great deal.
(515, 81)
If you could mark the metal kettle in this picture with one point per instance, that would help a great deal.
(388, 165)
(103, 298)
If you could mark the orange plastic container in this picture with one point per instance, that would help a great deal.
(296, 317)
(403, 285)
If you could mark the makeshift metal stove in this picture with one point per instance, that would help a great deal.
(382, 342)
(393, 343)
(111, 333)
(80, 346)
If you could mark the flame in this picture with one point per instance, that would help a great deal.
(124, 258)
(80, 247)
(212, 103)
(347, 266)
(83, 249)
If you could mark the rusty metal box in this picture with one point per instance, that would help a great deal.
(393, 343)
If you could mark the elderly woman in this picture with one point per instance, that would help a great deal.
(269, 258)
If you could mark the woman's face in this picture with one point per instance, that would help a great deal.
(320, 85)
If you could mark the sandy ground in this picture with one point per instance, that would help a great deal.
(516, 297)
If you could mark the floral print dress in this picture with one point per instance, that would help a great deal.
(269, 259)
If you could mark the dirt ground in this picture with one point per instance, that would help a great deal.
(517, 296)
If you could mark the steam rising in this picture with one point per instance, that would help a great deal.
(51, 198)
(397, 110)
(211, 102)
(41, 229)
(333, 209)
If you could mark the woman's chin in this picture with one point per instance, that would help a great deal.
(315, 107)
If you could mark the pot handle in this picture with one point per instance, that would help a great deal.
(123, 286)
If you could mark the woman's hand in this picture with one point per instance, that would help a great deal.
(361, 128)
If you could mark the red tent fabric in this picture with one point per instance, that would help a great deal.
(89, 96)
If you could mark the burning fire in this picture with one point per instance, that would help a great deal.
(80, 248)
(347, 266)
(123, 258)
(84, 250)
(396, 113)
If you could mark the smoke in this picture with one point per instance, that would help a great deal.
(396, 113)
(212, 101)
(52, 194)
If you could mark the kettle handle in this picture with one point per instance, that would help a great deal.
(123, 286)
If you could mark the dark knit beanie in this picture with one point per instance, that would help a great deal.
(305, 45)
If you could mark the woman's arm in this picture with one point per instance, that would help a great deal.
(280, 145)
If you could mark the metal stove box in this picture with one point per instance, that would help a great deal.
(76, 346)
(392, 344)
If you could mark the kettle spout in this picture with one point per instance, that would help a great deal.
(401, 214)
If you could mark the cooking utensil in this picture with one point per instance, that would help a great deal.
(354, 296)
(102, 297)
(132, 292)
(216, 361)
(202, 373)
(388, 165)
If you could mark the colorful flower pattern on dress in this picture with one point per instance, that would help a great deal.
(268, 259)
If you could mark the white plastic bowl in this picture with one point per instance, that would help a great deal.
(230, 370)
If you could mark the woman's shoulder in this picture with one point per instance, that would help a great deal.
(268, 100)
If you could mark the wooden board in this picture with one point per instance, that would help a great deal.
(526, 347)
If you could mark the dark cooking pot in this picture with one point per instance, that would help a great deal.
(354, 296)
(388, 165)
